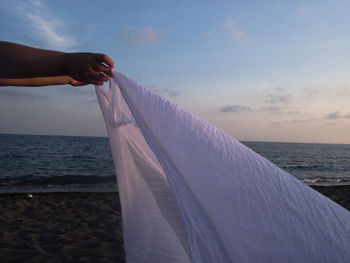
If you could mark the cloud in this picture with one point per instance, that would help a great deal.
(303, 121)
(234, 108)
(285, 99)
(275, 92)
(228, 29)
(333, 115)
(274, 110)
(310, 91)
(18, 93)
(347, 116)
(236, 34)
(164, 92)
(45, 26)
(336, 115)
(146, 35)
(341, 89)
(304, 9)
(295, 121)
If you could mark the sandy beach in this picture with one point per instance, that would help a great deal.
(61, 227)
(76, 227)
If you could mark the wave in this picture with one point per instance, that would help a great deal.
(326, 181)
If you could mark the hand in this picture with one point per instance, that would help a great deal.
(87, 68)
(74, 82)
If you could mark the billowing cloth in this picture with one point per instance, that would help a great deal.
(191, 193)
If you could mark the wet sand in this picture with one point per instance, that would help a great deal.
(76, 227)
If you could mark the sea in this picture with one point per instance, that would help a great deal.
(37, 163)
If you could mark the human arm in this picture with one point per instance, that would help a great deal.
(41, 81)
(22, 64)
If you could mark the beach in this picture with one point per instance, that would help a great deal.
(61, 227)
(76, 227)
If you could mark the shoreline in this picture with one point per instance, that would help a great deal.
(112, 188)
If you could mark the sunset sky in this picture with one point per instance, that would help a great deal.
(259, 70)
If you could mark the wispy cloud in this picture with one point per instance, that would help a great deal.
(18, 93)
(302, 121)
(340, 89)
(296, 121)
(234, 108)
(276, 93)
(284, 99)
(337, 115)
(236, 34)
(164, 92)
(311, 91)
(45, 26)
(229, 29)
(146, 35)
(333, 115)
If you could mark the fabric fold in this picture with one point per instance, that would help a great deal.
(191, 193)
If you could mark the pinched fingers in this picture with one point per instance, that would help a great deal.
(88, 67)
(97, 77)
(104, 69)
(95, 82)
(104, 59)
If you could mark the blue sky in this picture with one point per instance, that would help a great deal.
(259, 70)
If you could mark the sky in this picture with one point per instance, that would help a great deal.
(258, 70)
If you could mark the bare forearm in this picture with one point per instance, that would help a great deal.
(18, 61)
(40, 81)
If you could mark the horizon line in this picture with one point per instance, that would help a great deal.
(101, 136)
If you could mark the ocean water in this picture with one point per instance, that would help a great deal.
(35, 163)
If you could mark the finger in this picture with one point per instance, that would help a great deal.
(96, 82)
(102, 58)
(94, 75)
(78, 83)
(102, 68)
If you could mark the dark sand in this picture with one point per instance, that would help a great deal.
(76, 227)
(61, 227)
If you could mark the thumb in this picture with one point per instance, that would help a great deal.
(74, 82)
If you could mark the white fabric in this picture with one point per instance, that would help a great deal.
(191, 193)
